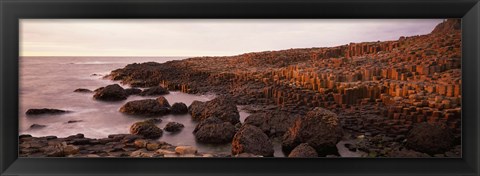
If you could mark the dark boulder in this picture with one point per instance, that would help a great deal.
(214, 131)
(146, 129)
(37, 126)
(82, 90)
(320, 128)
(430, 138)
(179, 108)
(173, 127)
(148, 107)
(196, 108)
(303, 151)
(221, 107)
(251, 139)
(153, 91)
(133, 91)
(162, 101)
(273, 124)
(45, 111)
(111, 93)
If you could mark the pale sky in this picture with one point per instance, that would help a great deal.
(212, 37)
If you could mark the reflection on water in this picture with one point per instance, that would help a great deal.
(50, 82)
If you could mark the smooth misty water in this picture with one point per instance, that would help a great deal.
(49, 82)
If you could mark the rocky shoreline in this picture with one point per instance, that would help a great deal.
(115, 145)
(397, 98)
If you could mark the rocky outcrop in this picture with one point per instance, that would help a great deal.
(148, 107)
(154, 91)
(320, 128)
(221, 107)
(82, 90)
(448, 26)
(430, 138)
(214, 131)
(45, 111)
(303, 151)
(272, 123)
(112, 92)
(179, 108)
(146, 129)
(251, 139)
(116, 145)
(173, 127)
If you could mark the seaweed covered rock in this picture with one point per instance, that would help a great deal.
(251, 139)
(112, 92)
(430, 138)
(320, 128)
(146, 129)
(214, 131)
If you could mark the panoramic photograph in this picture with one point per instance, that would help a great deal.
(228, 88)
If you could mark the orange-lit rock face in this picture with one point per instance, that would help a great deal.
(376, 87)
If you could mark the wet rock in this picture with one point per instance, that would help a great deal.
(112, 92)
(251, 139)
(183, 150)
(163, 102)
(221, 107)
(152, 146)
(71, 150)
(165, 152)
(148, 107)
(196, 108)
(140, 143)
(320, 128)
(158, 90)
(133, 91)
(271, 123)
(179, 108)
(45, 111)
(430, 138)
(74, 121)
(148, 130)
(303, 151)
(214, 131)
(82, 90)
(173, 127)
(37, 126)
(98, 89)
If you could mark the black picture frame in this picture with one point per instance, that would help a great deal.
(13, 10)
